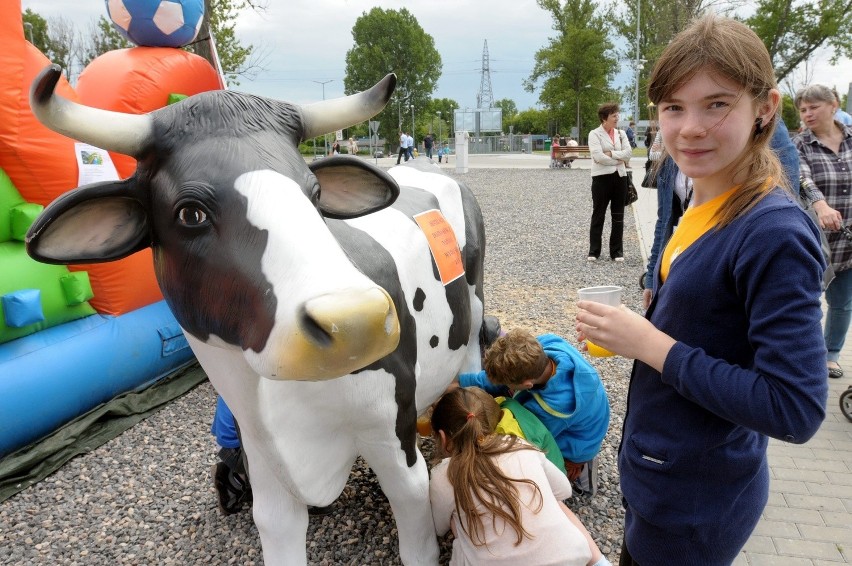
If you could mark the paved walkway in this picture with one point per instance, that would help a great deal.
(808, 521)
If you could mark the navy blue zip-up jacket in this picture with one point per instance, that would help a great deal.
(743, 303)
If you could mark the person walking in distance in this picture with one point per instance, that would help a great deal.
(403, 147)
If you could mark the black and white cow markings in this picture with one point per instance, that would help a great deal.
(328, 303)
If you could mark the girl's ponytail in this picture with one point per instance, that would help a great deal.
(467, 417)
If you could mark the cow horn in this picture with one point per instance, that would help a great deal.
(114, 131)
(330, 115)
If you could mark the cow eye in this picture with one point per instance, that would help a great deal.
(192, 216)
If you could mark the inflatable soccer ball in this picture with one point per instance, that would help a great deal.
(157, 23)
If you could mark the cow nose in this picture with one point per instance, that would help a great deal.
(347, 330)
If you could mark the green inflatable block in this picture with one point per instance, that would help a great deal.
(9, 198)
(22, 217)
(175, 98)
(18, 271)
(76, 287)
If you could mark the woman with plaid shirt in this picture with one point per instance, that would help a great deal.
(825, 157)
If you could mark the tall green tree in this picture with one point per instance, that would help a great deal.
(659, 22)
(103, 37)
(36, 31)
(577, 64)
(793, 31)
(378, 35)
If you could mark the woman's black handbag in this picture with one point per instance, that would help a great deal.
(632, 194)
(650, 179)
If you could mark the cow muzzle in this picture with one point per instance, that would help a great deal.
(339, 333)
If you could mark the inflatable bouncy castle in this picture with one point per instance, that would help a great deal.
(72, 338)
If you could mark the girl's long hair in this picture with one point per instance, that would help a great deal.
(473, 471)
(728, 49)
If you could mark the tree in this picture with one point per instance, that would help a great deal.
(38, 32)
(579, 57)
(57, 38)
(509, 108)
(789, 113)
(794, 31)
(529, 121)
(438, 117)
(103, 37)
(659, 22)
(63, 43)
(377, 38)
(235, 58)
(65, 47)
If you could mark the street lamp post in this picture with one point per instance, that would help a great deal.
(579, 131)
(637, 63)
(324, 136)
(412, 120)
(440, 127)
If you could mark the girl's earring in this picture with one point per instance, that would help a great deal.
(758, 126)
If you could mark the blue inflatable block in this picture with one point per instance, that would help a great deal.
(22, 308)
(53, 376)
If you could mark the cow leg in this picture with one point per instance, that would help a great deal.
(281, 520)
(407, 490)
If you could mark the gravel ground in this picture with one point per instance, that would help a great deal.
(146, 497)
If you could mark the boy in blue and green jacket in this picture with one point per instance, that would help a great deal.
(551, 379)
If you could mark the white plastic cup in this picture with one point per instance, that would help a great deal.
(606, 295)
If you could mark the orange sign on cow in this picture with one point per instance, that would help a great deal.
(443, 243)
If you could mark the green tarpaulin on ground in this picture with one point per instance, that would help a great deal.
(33, 463)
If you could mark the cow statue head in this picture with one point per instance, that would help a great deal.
(218, 177)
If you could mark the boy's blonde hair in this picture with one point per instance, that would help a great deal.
(514, 357)
(729, 49)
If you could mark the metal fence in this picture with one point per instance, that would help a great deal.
(508, 143)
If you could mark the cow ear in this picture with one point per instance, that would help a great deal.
(350, 187)
(91, 224)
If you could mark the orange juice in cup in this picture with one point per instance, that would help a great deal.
(424, 423)
(607, 295)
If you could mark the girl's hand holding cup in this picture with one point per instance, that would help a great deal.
(612, 329)
(605, 295)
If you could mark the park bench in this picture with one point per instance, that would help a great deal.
(560, 154)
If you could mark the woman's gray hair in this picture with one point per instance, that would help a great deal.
(815, 93)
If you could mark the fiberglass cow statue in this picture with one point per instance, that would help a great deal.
(328, 303)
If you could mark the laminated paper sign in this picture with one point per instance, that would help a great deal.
(443, 243)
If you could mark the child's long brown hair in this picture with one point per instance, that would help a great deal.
(468, 416)
(729, 49)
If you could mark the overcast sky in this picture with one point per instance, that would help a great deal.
(307, 40)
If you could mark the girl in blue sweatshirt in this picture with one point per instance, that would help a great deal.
(730, 351)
